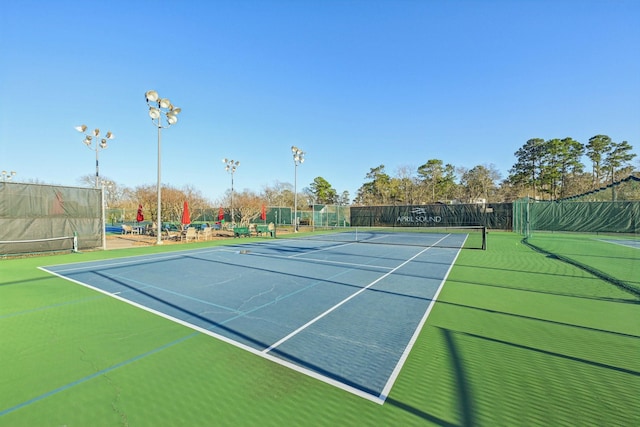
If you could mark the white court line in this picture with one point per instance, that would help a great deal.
(137, 259)
(353, 390)
(634, 244)
(396, 371)
(275, 359)
(348, 264)
(145, 285)
(328, 248)
(344, 301)
(324, 261)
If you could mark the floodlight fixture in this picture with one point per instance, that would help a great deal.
(8, 176)
(101, 144)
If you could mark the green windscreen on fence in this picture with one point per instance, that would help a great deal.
(42, 218)
(587, 217)
(491, 215)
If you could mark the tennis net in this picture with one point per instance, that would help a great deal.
(36, 246)
(466, 237)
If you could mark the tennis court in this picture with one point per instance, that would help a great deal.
(624, 242)
(343, 312)
(512, 324)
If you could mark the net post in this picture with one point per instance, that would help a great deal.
(75, 242)
(484, 237)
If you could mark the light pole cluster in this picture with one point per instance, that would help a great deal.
(231, 166)
(159, 108)
(298, 159)
(8, 176)
(101, 144)
(164, 114)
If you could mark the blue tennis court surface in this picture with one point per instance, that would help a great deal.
(345, 313)
(624, 242)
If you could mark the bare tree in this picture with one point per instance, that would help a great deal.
(407, 185)
(248, 205)
(480, 182)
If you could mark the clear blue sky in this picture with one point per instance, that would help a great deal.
(355, 84)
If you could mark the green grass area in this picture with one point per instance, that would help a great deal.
(517, 338)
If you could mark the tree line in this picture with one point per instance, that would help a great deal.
(546, 169)
(553, 169)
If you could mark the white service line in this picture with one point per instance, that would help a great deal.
(320, 316)
(117, 262)
(322, 261)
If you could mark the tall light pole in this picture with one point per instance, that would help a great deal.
(158, 108)
(231, 166)
(101, 144)
(105, 185)
(7, 176)
(298, 159)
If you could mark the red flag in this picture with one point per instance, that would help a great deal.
(220, 214)
(186, 217)
(140, 217)
(263, 214)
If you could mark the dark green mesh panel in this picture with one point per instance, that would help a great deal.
(33, 211)
(491, 215)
